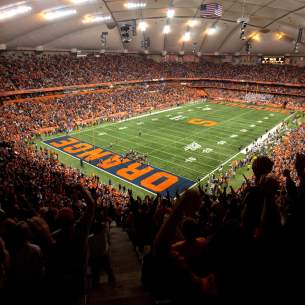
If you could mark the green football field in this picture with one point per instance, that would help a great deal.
(190, 141)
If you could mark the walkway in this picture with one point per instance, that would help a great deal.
(127, 270)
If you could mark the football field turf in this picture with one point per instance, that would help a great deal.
(188, 141)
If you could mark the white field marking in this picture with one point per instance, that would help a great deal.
(271, 114)
(122, 128)
(234, 156)
(259, 121)
(198, 107)
(101, 169)
(243, 130)
(190, 159)
(140, 123)
(266, 118)
(193, 146)
(180, 112)
(190, 110)
(252, 125)
(206, 109)
(177, 118)
(102, 133)
(233, 136)
(221, 142)
(207, 150)
(155, 119)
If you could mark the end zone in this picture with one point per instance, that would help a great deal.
(147, 177)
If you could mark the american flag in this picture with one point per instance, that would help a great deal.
(211, 10)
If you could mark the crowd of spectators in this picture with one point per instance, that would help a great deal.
(72, 111)
(26, 71)
(255, 88)
(221, 247)
(289, 102)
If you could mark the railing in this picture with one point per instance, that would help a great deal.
(71, 88)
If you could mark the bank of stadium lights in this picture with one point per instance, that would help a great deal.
(91, 18)
(58, 12)
(170, 13)
(166, 29)
(14, 9)
(134, 5)
(142, 26)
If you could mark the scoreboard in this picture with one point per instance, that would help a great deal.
(272, 60)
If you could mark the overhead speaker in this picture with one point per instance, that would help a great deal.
(110, 25)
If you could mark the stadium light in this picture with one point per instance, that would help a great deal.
(255, 36)
(166, 29)
(13, 10)
(58, 12)
(186, 36)
(211, 31)
(143, 26)
(170, 13)
(134, 5)
(279, 35)
(193, 22)
(95, 18)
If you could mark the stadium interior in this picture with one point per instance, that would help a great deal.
(152, 152)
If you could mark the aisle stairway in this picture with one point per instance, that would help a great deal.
(126, 266)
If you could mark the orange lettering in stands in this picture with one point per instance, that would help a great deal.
(164, 185)
(132, 172)
(68, 141)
